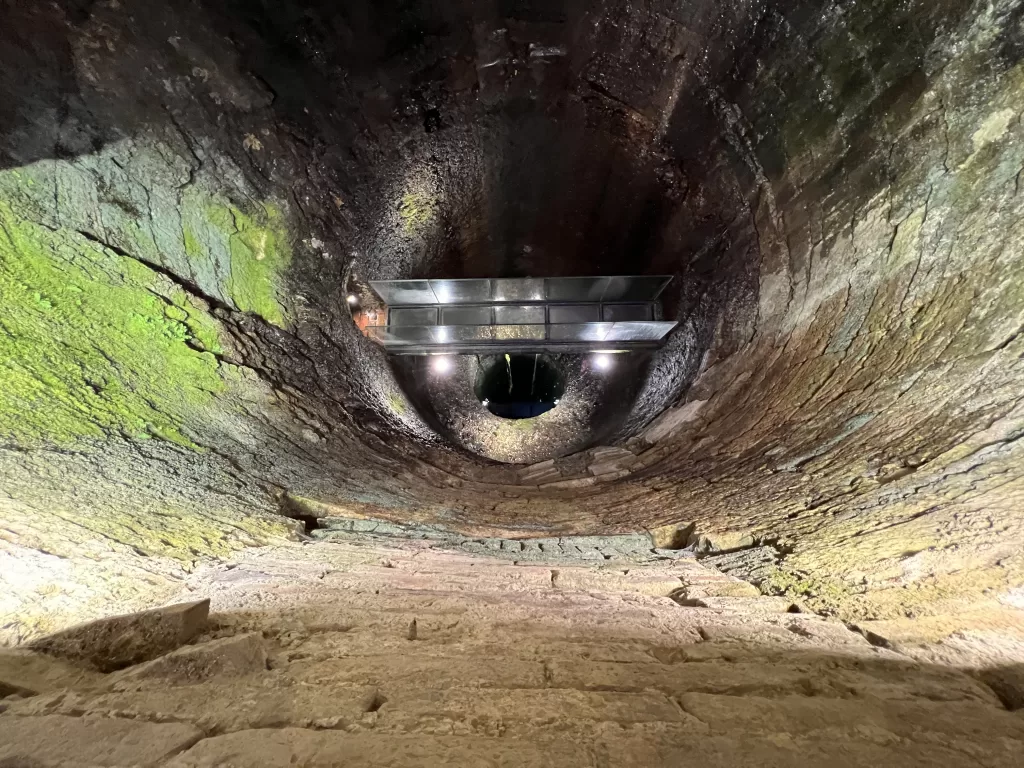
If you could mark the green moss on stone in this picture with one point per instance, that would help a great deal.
(181, 534)
(93, 343)
(397, 404)
(260, 253)
(824, 594)
(416, 211)
(193, 248)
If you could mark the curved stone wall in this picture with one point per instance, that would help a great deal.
(186, 190)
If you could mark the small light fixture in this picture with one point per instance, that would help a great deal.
(556, 401)
(486, 402)
(352, 299)
(442, 364)
(602, 361)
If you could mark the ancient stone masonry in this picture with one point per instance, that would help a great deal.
(571, 550)
(308, 659)
(188, 190)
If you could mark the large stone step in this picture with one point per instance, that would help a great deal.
(445, 618)
(804, 715)
(444, 572)
(362, 642)
(218, 706)
(409, 708)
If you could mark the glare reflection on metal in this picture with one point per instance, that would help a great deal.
(631, 288)
(470, 339)
(481, 316)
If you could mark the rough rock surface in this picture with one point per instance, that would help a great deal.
(511, 665)
(188, 190)
(756, 564)
(27, 673)
(120, 641)
(57, 740)
(237, 655)
(1008, 684)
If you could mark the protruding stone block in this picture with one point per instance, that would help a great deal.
(227, 657)
(121, 641)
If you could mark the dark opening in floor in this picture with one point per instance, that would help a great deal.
(519, 386)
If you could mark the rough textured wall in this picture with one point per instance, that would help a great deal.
(186, 189)
(869, 418)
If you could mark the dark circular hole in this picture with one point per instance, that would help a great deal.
(519, 386)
